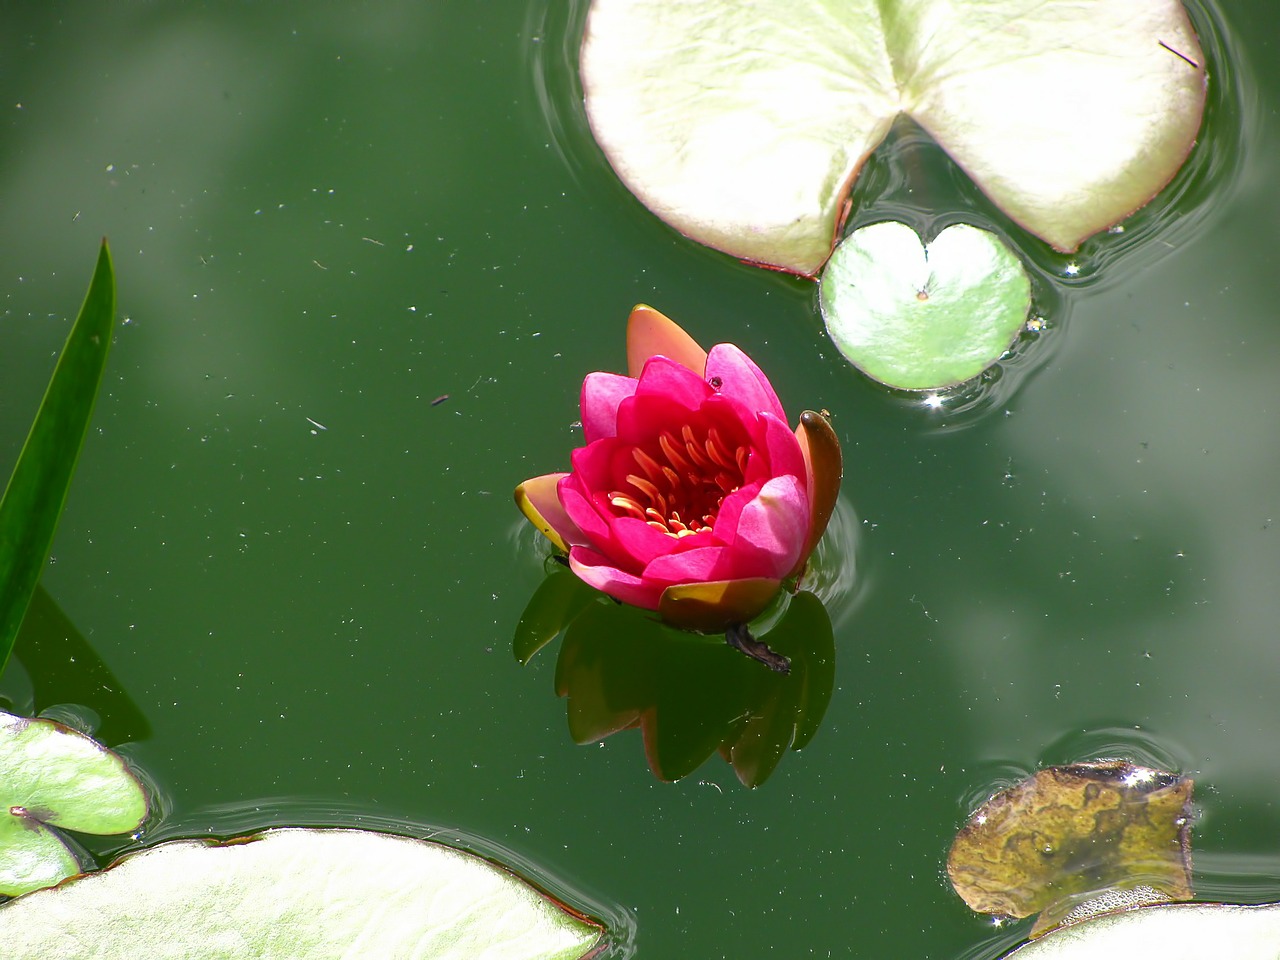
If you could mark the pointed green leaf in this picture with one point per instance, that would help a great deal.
(922, 317)
(37, 488)
(743, 125)
(290, 893)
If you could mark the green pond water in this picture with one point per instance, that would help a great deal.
(305, 573)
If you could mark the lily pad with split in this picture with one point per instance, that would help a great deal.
(289, 893)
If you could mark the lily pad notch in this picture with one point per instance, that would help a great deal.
(918, 316)
(1069, 114)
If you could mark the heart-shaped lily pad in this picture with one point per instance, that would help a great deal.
(52, 776)
(290, 893)
(922, 317)
(743, 125)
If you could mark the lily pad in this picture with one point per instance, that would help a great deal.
(743, 125)
(1174, 931)
(52, 776)
(1074, 833)
(922, 317)
(289, 893)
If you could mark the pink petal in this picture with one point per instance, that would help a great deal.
(702, 563)
(782, 448)
(650, 334)
(644, 543)
(726, 526)
(603, 465)
(538, 500)
(581, 509)
(742, 379)
(772, 529)
(594, 569)
(601, 394)
(666, 378)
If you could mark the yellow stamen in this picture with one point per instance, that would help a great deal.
(694, 448)
(668, 444)
(716, 449)
(650, 466)
(626, 504)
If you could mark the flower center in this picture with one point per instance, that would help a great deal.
(682, 481)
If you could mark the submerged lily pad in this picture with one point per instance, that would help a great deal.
(1174, 931)
(1072, 833)
(52, 776)
(743, 125)
(291, 893)
(922, 317)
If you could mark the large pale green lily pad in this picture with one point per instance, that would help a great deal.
(291, 893)
(743, 125)
(1175, 931)
(922, 317)
(52, 776)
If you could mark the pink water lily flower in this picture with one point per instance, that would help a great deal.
(691, 495)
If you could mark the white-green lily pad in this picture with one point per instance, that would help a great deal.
(292, 893)
(52, 776)
(743, 125)
(920, 317)
(1174, 931)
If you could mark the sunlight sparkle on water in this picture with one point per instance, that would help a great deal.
(933, 401)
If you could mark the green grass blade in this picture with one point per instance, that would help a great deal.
(38, 486)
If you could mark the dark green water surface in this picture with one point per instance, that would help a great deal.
(306, 574)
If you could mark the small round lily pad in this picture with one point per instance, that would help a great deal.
(923, 317)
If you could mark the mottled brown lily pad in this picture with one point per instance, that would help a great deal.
(1072, 833)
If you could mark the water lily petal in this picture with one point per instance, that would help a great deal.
(717, 605)
(601, 394)
(603, 465)
(643, 543)
(782, 446)
(651, 334)
(595, 569)
(580, 506)
(726, 527)
(667, 378)
(537, 500)
(773, 529)
(701, 563)
(742, 379)
(821, 450)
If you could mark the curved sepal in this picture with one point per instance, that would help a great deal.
(539, 502)
(653, 334)
(715, 605)
(824, 469)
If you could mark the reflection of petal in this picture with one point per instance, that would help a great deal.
(554, 605)
(832, 573)
(620, 669)
(651, 334)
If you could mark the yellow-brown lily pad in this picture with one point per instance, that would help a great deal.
(1071, 833)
